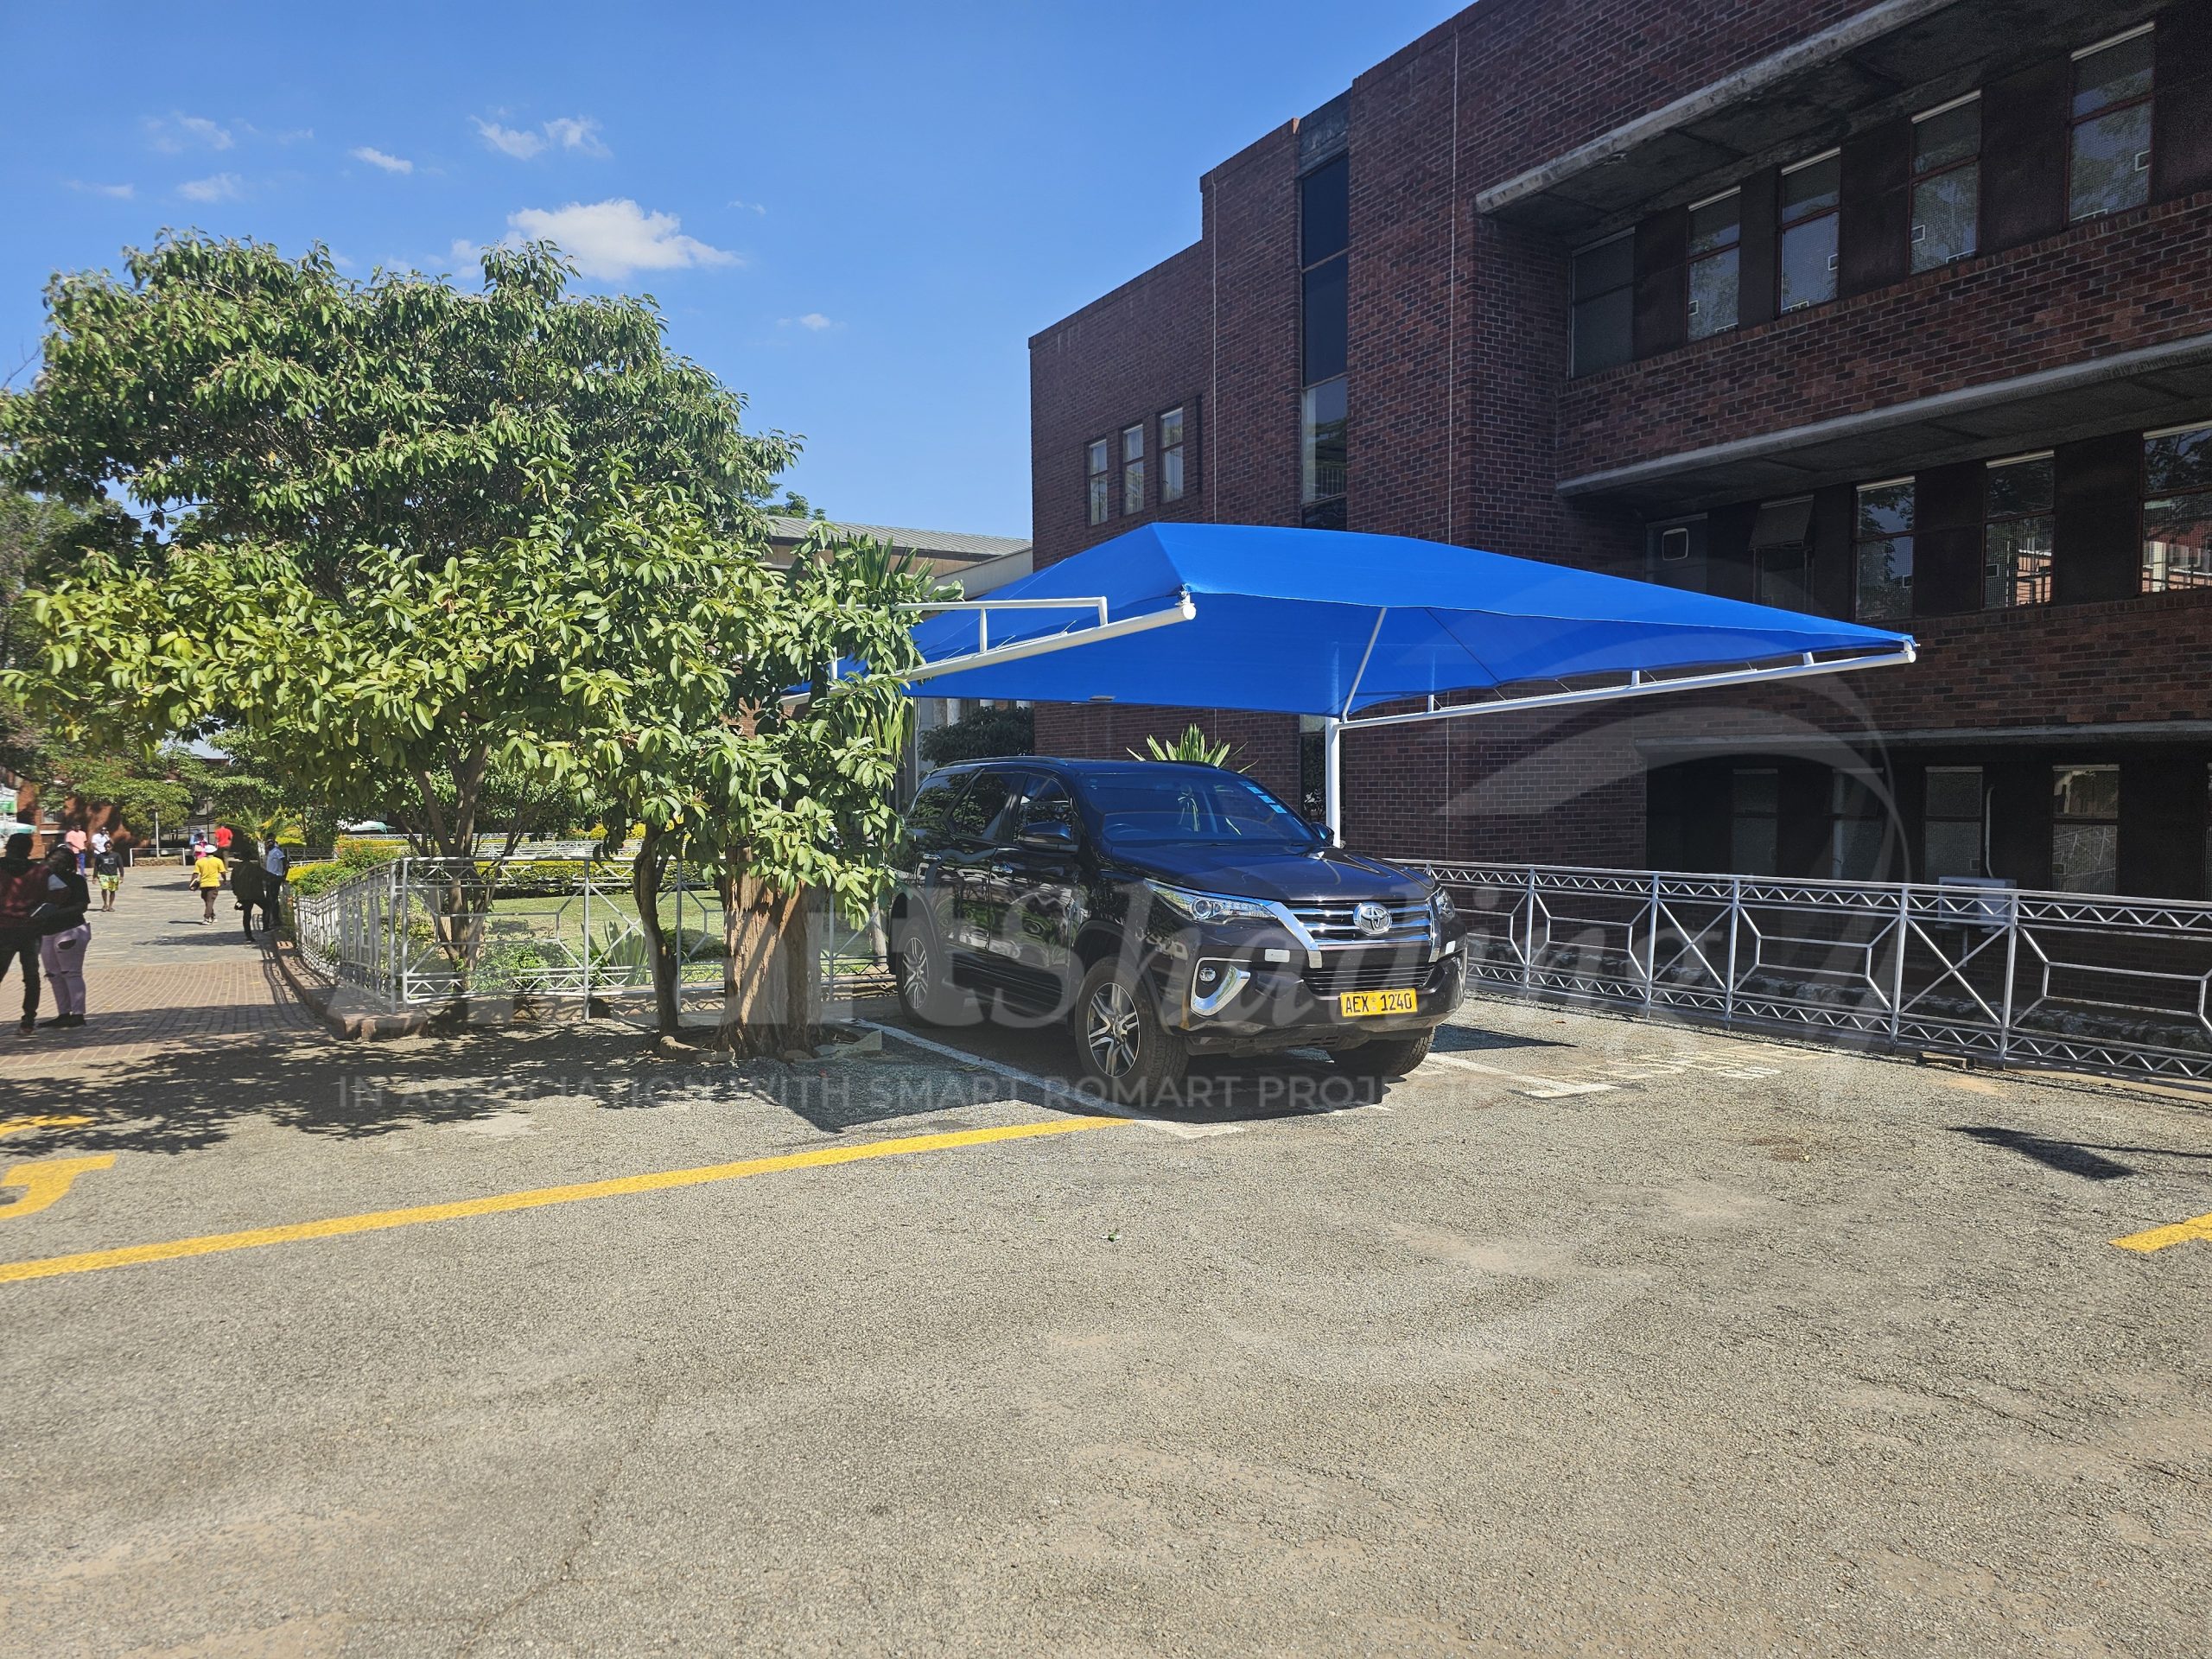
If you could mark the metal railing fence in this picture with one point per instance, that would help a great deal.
(416, 931)
(2079, 982)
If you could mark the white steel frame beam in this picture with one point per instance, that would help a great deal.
(987, 655)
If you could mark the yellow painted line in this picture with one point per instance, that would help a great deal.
(47, 1179)
(620, 1187)
(2158, 1238)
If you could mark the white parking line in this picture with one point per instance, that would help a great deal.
(1539, 1088)
(1090, 1104)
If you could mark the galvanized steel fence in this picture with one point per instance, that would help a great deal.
(2076, 981)
(417, 931)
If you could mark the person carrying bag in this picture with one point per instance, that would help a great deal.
(63, 936)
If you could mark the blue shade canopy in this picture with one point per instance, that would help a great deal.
(1287, 621)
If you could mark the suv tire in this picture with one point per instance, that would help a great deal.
(1119, 1040)
(1386, 1057)
(919, 962)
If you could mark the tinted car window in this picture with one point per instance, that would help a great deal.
(1048, 802)
(929, 818)
(981, 811)
(1144, 805)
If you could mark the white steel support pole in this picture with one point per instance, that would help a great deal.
(1332, 777)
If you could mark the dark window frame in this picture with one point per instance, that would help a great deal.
(1785, 224)
(1862, 542)
(2063, 822)
(1578, 302)
(2075, 120)
(1098, 479)
(1133, 469)
(1920, 181)
(2039, 585)
(1175, 454)
(1931, 818)
(1731, 250)
(2159, 579)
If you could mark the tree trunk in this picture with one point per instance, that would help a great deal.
(647, 870)
(768, 965)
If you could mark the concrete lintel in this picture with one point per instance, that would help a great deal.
(1777, 446)
(1749, 82)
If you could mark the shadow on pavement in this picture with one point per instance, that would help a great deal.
(2068, 1157)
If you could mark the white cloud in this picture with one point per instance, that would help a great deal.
(813, 320)
(181, 132)
(611, 239)
(120, 192)
(576, 132)
(509, 141)
(750, 206)
(376, 157)
(222, 187)
(205, 131)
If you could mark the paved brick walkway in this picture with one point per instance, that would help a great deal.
(158, 981)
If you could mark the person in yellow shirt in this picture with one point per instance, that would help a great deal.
(207, 876)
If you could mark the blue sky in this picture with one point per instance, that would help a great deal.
(855, 213)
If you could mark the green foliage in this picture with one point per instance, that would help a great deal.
(349, 859)
(379, 547)
(138, 791)
(1192, 746)
(982, 734)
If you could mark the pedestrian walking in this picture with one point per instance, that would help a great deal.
(107, 870)
(207, 876)
(275, 871)
(22, 887)
(74, 840)
(63, 936)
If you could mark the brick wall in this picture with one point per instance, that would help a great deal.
(1462, 420)
(2134, 279)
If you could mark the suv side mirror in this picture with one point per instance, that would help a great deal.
(1049, 836)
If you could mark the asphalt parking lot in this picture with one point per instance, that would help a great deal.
(1591, 1335)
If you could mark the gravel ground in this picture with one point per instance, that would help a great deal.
(1592, 1335)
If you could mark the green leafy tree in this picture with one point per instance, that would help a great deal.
(747, 755)
(334, 476)
(982, 734)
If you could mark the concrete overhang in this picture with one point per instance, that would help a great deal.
(1814, 92)
(2149, 387)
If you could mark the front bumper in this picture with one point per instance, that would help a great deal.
(1222, 998)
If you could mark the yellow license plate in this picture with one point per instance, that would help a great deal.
(1356, 1005)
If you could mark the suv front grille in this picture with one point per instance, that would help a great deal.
(1332, 923)
(1367, 971)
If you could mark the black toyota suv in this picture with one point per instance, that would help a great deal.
(1164, 909)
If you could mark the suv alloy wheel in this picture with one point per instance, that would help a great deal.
(1119, 1040)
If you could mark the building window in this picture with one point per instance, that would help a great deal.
(1133, 469)
(1678, 555)
(1782, 554)
(1953, 826)
(1811, 192)
(1102, 483)
(1324, 236)
(1754, 827)
(2177, 510)
(1861, 829)
(1946, 182)
(2110, 165)
(1882, 541)
(2016, 537)
(1716, 234)
(1171, 456)
(1322, 442)
(1602, 334)
(2084, 829)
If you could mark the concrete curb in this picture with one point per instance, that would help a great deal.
(330, 1004)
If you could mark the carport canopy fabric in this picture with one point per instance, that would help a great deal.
(1330, 622)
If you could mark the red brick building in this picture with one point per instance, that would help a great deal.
(1900, 312)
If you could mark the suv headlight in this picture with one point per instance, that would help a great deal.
(1211, 906)
(1440, 902)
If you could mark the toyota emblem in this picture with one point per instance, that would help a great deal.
(1372, 920)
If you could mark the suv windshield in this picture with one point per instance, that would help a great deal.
(1147, 805)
